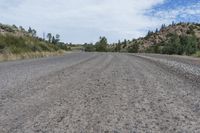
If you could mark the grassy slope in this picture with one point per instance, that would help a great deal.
(17, 44)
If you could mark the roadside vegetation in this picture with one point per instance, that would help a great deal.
(17, 43)
(179, 39)
(100, 46)
(180, 45)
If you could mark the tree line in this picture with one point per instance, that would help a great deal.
(99, 46)
(103, 46)
(182, 44)
(50, 39)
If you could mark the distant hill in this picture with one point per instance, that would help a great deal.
(16, 41)
(181, 29)
(181, 38)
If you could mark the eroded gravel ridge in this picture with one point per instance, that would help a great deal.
(188, 68)
(185, 68)
(103, 93)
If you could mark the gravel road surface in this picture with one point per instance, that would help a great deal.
(101, 93)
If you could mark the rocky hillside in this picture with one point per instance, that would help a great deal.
(161, 36)
(180, 38)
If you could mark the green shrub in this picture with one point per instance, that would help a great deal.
(197, 54)
(189, 44)
(154, 49)
(102, 44)
(89, 48)
(133, 48)
(17, 45)
(180, 45)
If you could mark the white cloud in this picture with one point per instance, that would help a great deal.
(179, 13)
(83, 21)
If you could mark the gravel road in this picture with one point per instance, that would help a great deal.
(101, 93)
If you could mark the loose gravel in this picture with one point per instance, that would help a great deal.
(100, 93)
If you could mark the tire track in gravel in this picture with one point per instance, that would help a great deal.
(46, 94)
(17, 73)
(66, 117)
(174, 100)
(13, 93)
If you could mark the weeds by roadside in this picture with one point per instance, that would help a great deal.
(11, 57)
(197, 54)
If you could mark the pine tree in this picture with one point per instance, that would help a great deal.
(29, 30)
(57, 38)
(163, 26)
(49, 36)
(101, 45)
(53, 40)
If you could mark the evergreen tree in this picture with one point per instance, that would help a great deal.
(173, 23)
(49, 36)
(189, 44)
(57, 38)
(29, 30)
(118, 47)
(173, 46)
(15, 27)
(21, 28)
(32, 32)
(149, 33)
(156, 30)
(163, 26)
(102, 44)
(125, 41)
(133, 48)
(53, 40)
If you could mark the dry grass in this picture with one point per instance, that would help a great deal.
(11, 57)
(197, 54)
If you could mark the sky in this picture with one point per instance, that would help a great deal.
(81, 21)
